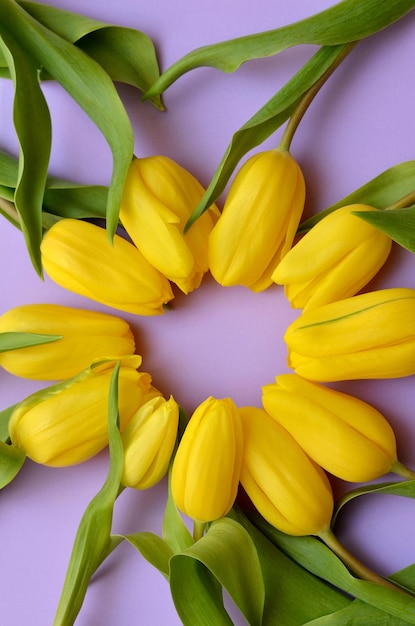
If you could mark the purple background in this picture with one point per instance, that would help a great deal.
(216, 341)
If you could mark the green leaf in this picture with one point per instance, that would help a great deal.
(93, 541)
(16, 341)
(87, 83)
(126, 54)
(285, 581)
(11, 461)
(229, 554)
(5, 415)
(266, 121)
(347, 21)
(33, 127)
(9, 170)
(398, 224)
(313, 555)
(175, 531)
(76, 201)
(153, 549)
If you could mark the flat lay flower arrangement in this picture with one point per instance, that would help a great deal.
(250, 505)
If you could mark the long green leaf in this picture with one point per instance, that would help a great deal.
(11, 461)
(380, 192)
(33, 127)
(229, 553)
(349, 20)
(398, 224)
(312, 554)
(5, 415)
(153, 548)
(266, 121)
(16, 341)
(89, 85)
(93, 541)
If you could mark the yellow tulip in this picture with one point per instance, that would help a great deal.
(334, 260)
(148, 441)
(346, 436)
(259, 220)
(206, 467)
(86, 336)
(370, 335)
(78, 256)
(67, 423)
(288, 489)
(159, 197)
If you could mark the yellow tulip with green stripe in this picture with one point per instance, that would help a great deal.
(78, 256)
(259, 220)
(370, 335)
(333, 260)
(207, 464)
(346, 436)
(67, 423)
(288, 489)
(159, 197)
(85, 336)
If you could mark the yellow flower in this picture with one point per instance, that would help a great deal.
(86, 335)
(159, 197)
(206, 468)
(347, 437)
(259, 220)
(334, 260)
(67, 423)
(78, 256)
(288, 489)
(148, 441)
(371, 335)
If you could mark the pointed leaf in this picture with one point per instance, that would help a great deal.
(346, 21)
(16, 341)
(153, 549)
(398, 224)
(175, 531)
(5, 415)
(11, 461)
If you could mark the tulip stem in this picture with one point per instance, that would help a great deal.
(198, 530)
(402, 470)
(405, 201)
(308, 97)
(354, 565)
(9, 210)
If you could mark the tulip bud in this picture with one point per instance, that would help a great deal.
(67, 423)
(158, 199)
(370, 335)
(86, 336)
(148, 441)
(334, 260)
(78, 256)
(259, 220)
(347, 437)
(288, 489)
(207, 465)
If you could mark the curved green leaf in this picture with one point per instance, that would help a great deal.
(229, 554)
(349, 20)
(89, 85)
(33, 127)
(175, 531)
(93, 541)
(5, 415)
(398, 224)
(153, 549)
(380, 192)
(266, 121)
(11, 461)
(16, 341)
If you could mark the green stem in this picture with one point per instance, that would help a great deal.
(307, 98)
(402, 470)
(198, 530)
(405, 201)
(353, 564)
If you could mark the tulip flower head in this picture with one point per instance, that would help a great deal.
(288, 489)
(207, 464)
(86, 336)
(158, 199)
(259, 220)
(371, 335)
(67, 423)
(78, 256)
(149, 439)
(333, 260)
(346, 436)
